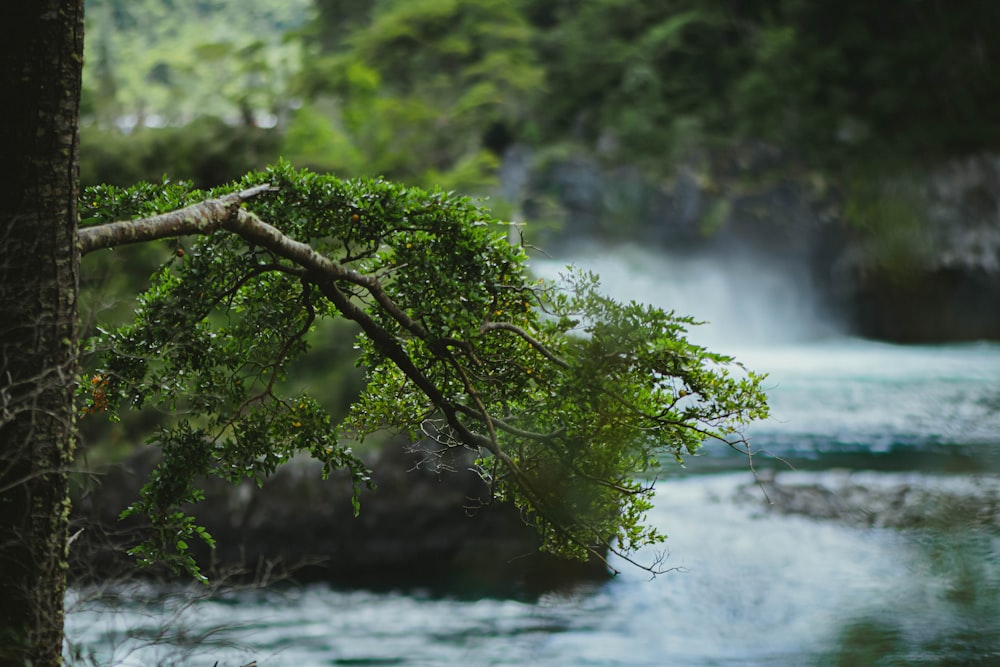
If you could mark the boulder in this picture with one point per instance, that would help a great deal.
(897, 501)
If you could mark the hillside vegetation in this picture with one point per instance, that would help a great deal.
(434, 90)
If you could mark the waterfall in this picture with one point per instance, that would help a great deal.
(742, 300)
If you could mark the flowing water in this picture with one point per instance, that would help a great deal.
(751, 586)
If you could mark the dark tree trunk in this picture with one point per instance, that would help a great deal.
(41, 49)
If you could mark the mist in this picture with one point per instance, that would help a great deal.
(742, 300)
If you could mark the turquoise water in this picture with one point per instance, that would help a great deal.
(750, 587)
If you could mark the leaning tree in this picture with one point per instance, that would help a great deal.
(567, 397)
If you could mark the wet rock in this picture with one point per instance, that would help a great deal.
(950, 288)
(933, 305)
(883, 501)
(964, 209)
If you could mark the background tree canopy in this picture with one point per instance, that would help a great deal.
(838, 81)
(429, 91)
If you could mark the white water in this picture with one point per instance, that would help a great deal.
(753, 591)
(742, 301)
(754, 588)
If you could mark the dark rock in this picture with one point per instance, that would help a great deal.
(929, 306)
(428, 524)
(950, 290)
(882, 501)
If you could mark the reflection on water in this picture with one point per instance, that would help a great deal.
(752, 587)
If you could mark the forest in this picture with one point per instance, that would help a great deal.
(437, 90)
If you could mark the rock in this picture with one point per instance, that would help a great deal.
(883, 501)
(932, 305)
(428, 524)
(950, 290)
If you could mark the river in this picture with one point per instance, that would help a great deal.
(750, 586)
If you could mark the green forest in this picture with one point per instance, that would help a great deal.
(434, 91)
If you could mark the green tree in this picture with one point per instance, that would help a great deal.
(567, 396)
(644, 74)
(419, 89)
(168, 61)
(841, 82)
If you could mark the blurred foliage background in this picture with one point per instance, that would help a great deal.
(436, 90)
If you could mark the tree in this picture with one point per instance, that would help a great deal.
(566, 395)
(40, 64)
(423, 91)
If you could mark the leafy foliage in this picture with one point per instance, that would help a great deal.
(839, 82)
(207, 151)
(416, 87)
(171, 60)
(569, 398)
(647, 82)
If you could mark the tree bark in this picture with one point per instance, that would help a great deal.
(41, 55)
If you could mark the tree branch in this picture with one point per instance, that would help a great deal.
(531, 340)
(356, 295)
(225, 213)
(509, 428)
(202, 218)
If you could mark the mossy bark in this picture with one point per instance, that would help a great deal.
(41, 54)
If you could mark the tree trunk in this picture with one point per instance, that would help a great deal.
(41, 49)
